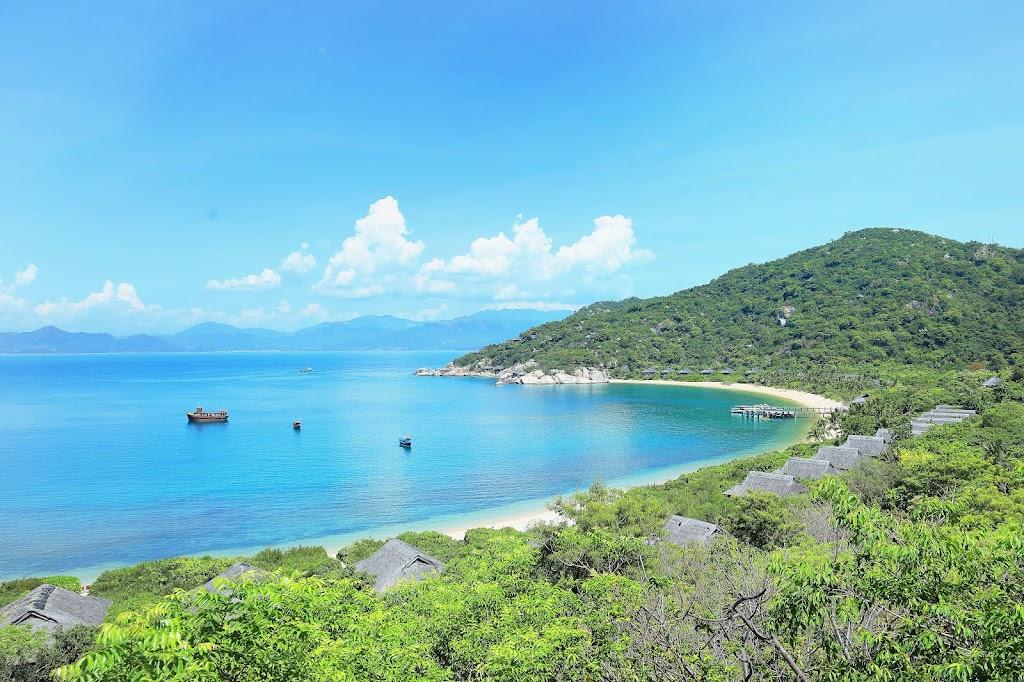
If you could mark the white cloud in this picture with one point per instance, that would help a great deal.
(9, 303)
(267, 279)
(428, 314)
(371, 259)
(21, 278)
(122, 297)
(284, 307)
(26, 276)
(299, 262)
(314, 310)
(526, 265)
(533, 305)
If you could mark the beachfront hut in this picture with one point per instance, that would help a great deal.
(800, 467)
(650, 371)
(685, 370)
(235, 573)
(992, 383)
(666, 372)
(780, 484)
(49, 607)
(872, 446)
(841, 458)
(706, 372)
(682, 531)
(726, 371)
(397, 561)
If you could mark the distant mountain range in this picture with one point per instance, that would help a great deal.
(371, 332)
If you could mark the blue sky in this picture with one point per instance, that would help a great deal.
(279, 164)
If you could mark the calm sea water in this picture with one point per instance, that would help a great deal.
(99, 466)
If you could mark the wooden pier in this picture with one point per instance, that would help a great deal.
(779, 412)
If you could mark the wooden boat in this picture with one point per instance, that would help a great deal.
(296, 425)
(405, 442)
(201, 416)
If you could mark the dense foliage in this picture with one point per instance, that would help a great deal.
(873, 298)
(908, 567)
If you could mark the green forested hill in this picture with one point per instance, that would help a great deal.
(875, 296)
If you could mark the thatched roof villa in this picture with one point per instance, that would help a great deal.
(397, 561)
(800, 467)
(780, 484)
(682, 531)
(872, 446)
(234, 573)
(840, 457)
(49, 607)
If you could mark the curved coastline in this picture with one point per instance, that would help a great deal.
(522, 514)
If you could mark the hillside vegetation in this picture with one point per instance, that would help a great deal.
(908, 567)
(872, 298)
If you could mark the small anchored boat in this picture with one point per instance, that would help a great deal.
(296, 424)
(306, 370)
(405, 442)
(201, 416)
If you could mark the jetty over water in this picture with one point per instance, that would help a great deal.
(780, 412)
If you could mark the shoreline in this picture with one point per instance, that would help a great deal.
(802, 398)
(520, 515)
(540, 514)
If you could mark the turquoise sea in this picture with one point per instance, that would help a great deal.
(99, 466)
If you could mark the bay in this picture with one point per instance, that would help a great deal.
(99, 467)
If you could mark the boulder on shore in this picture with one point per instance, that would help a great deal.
(526, 373)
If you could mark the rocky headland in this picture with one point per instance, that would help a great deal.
(522, 373)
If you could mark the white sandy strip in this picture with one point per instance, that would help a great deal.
(519, 522)
(799, 397)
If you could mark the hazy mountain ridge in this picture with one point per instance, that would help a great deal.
(371, 332)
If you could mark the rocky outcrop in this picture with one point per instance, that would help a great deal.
(525, 373)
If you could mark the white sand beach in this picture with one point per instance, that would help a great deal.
(801, 397)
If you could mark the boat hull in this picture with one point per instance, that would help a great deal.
(206, 418)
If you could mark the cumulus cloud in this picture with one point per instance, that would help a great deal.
(26, 276)
(299, 262)
(122, 296)
(314, 311)
(371, 259)
(267, 279)
(21, 278)
(534, 305)
(526, 264)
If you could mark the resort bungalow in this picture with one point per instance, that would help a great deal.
(397, 561)
(841, 458)
(683, 531)
(49, 608)
(872, 446)
(235, 572)
(800, 467)
(780, 484)
(885, 434)
(685, 370)
(992, 383)
(706, 372)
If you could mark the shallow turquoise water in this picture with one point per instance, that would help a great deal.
(99, 466)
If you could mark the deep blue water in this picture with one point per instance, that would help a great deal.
(100, 467)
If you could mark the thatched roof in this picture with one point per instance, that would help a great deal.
(49, 607)
(872, 446)
(800, 467)
(780, 484)
(397, 561)
(885, 434)
(235, 572)
(992, 383)
(682, 531)
(841, 458)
